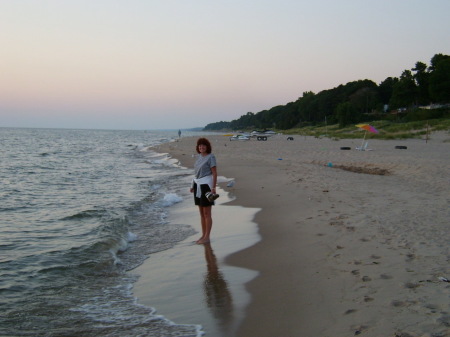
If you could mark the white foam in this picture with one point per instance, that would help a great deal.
(116, 259)
(131, 237)
(140, 146)
(122, 245)
(171, 199)
(155, 187)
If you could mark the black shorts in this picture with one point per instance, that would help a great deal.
(203, 200)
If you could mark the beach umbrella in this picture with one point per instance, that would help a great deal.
(366, 127)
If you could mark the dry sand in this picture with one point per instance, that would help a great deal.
(352, 242)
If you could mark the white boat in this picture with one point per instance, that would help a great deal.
(262, 135)
(239, 137)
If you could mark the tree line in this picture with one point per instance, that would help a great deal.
(359, 101)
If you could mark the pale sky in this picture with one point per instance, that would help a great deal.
(170, 64)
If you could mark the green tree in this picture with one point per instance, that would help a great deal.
(217, 126)
(405, 91)
(306, 105)
(386, 88)
(246, 121)
(440, 78)
(364, 99)
(286, 118)
(436, 59)
(346, 114)
(421, 76)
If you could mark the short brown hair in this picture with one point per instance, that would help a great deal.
(204, 141)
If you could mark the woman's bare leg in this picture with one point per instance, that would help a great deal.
(205, 213)
(203, 223)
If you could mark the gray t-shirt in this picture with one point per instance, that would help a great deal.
(203, 165)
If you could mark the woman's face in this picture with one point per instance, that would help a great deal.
(202, 148)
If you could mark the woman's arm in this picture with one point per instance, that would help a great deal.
(214, 174)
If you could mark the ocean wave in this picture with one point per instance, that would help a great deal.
(90, 213)
(163, 159)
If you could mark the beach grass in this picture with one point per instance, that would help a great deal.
(387, 130)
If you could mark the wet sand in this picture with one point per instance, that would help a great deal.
(190, 283)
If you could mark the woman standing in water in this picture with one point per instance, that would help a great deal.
(204, 181)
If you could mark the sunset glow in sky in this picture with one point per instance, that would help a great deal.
(169, 64)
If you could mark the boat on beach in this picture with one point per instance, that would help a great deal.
(239, 137)
(262, 135)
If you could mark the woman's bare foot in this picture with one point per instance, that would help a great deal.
(202, 241)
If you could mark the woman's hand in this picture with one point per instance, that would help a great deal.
(192, 190)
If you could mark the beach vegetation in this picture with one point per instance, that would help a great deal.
(387, 130)
(396, 106)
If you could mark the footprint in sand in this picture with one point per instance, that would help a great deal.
(410, 257)
(350, 311)
(432, 307)
(400, 304)
(385, 277)
(411, 285)
(444, 320)
(336, 223)
(359, 330)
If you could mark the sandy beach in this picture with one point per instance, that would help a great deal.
(329, 242)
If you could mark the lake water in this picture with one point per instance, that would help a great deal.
(80, 209)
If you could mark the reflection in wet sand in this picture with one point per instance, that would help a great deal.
(217, 295)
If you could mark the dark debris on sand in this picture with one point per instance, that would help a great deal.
(365, 170)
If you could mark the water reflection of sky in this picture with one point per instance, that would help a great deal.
(217, 295)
